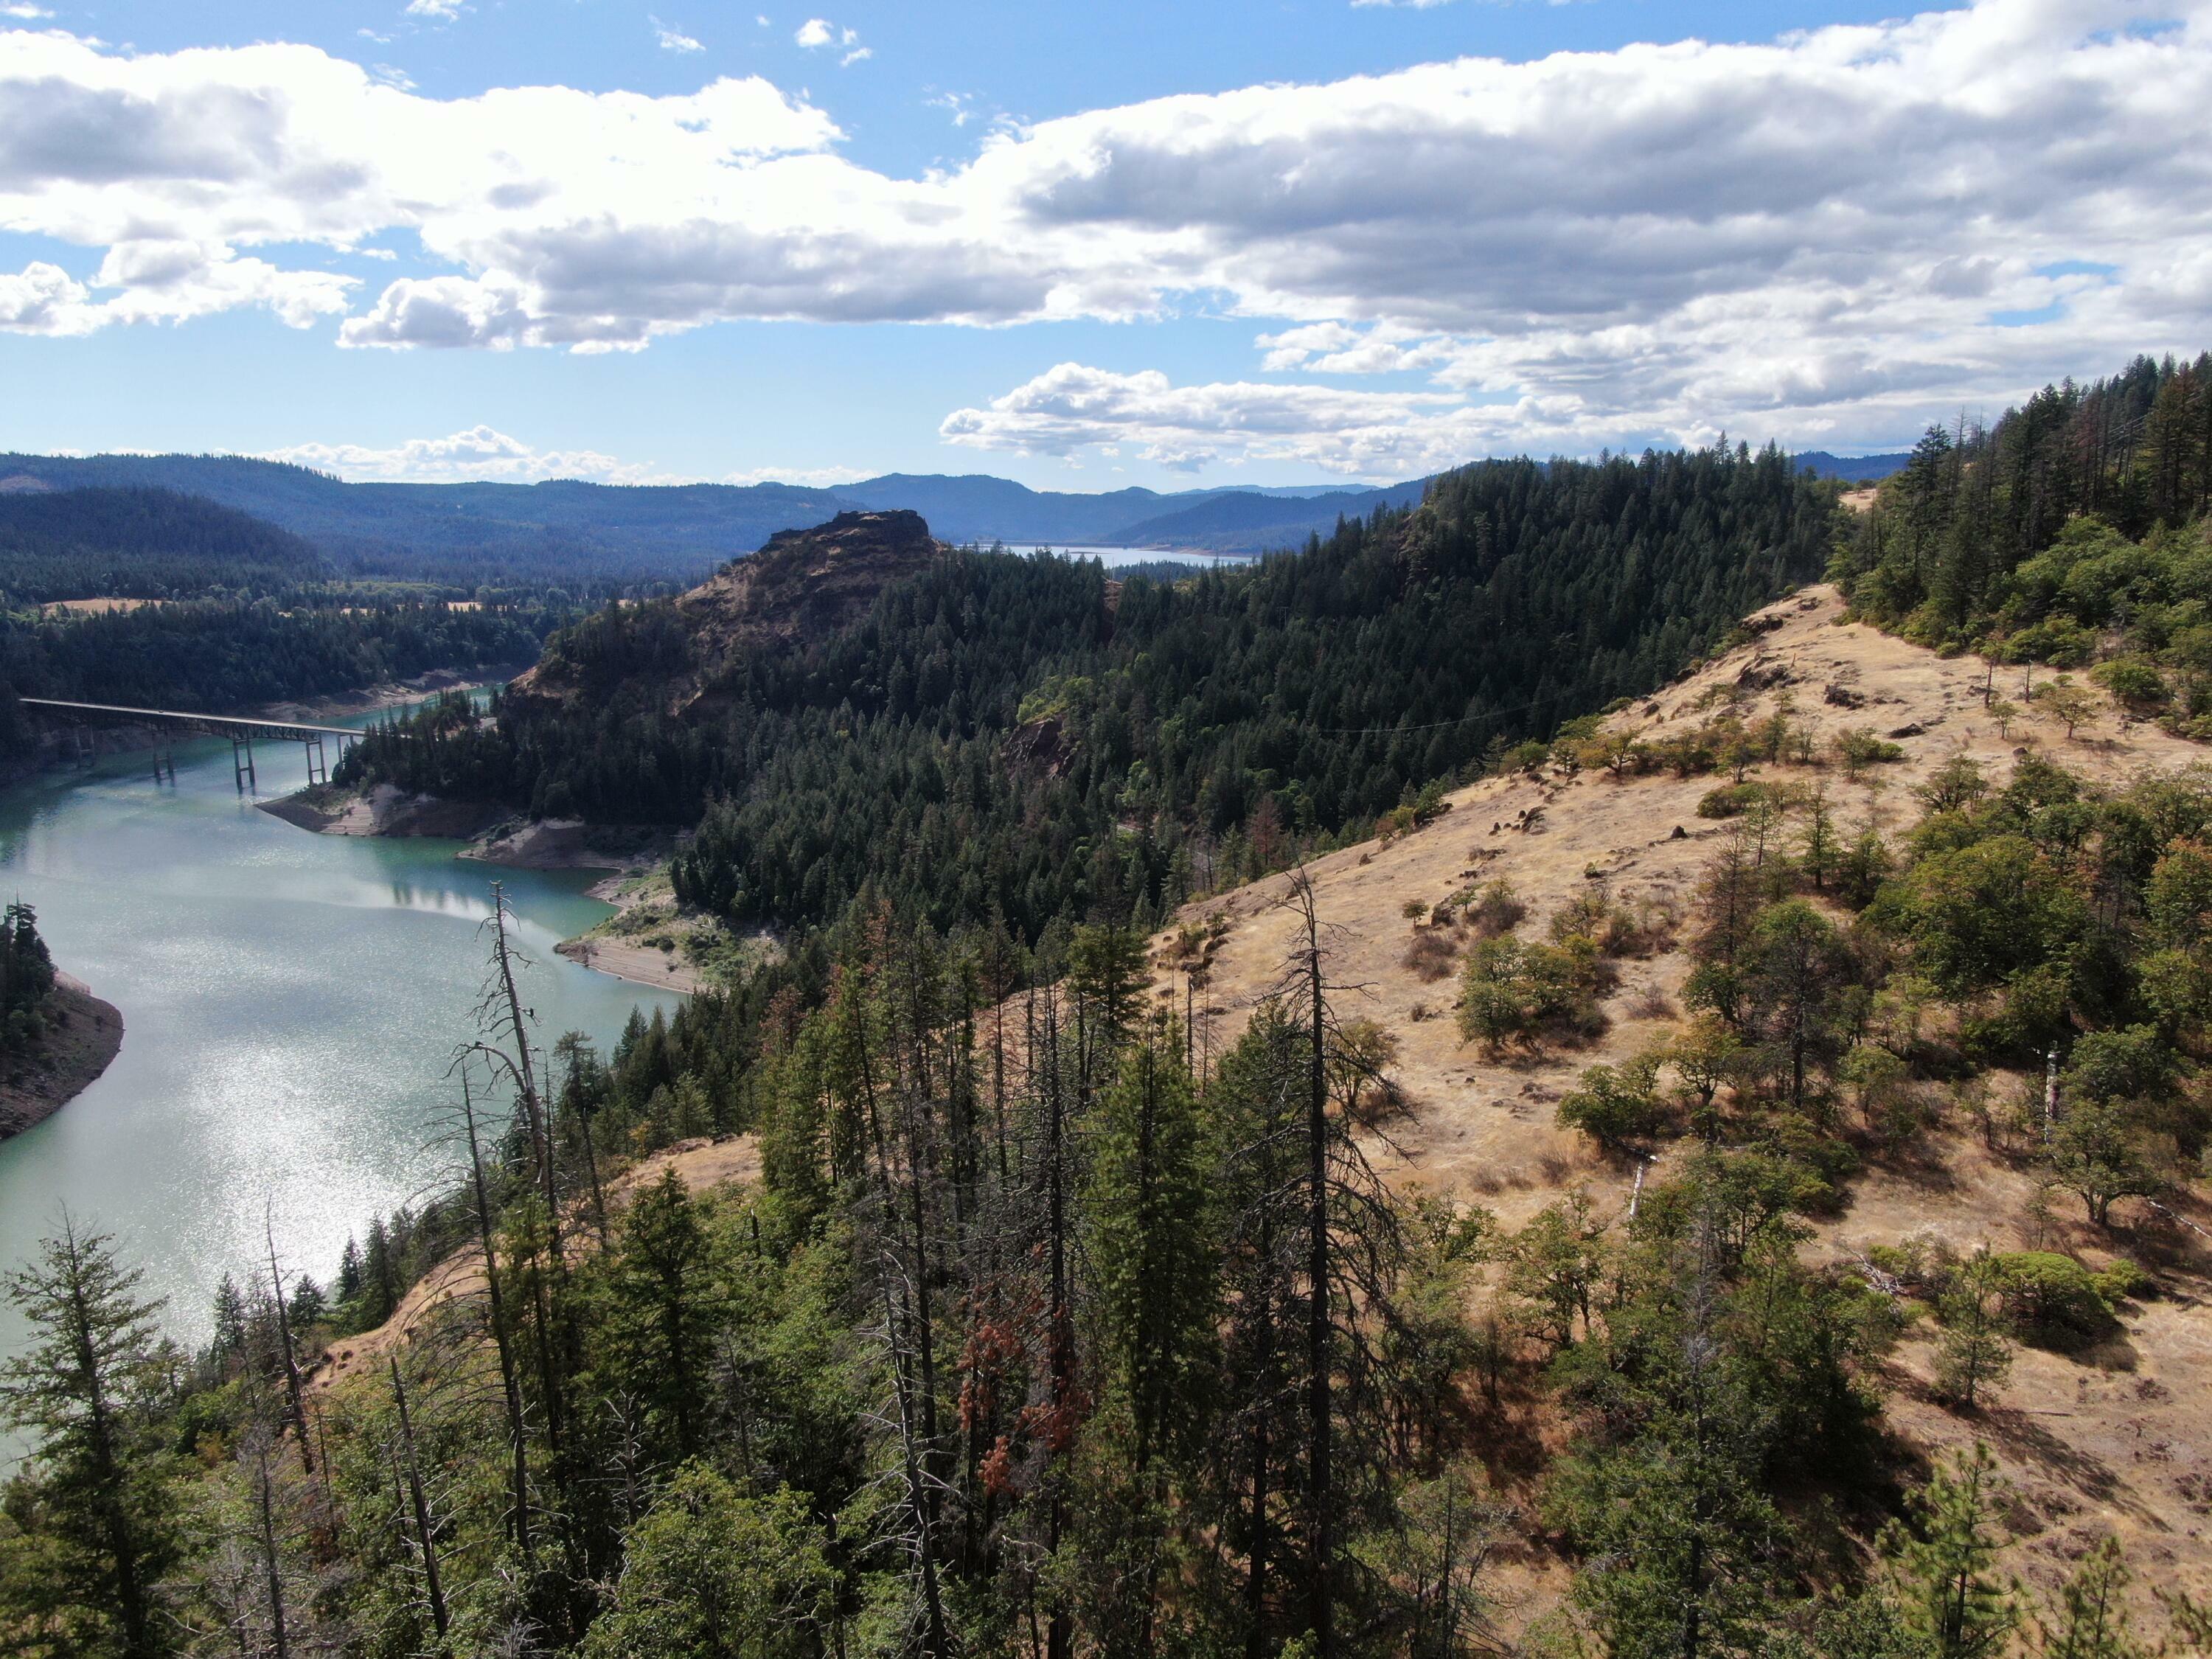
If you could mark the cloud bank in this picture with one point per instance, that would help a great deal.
(481, 454)
(1827, 238)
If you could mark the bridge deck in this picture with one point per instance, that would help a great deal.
(224, 723)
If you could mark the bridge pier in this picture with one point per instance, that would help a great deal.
(318, 770)
(241, 765)
(164, 763)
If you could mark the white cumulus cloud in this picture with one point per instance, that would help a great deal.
(818, 32)
(481, 454)
(672, 40)
(1826, 237)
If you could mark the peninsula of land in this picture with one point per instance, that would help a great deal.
(82, 1036)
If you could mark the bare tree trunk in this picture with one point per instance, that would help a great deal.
(421, 1506)
(1321, 1408)
(296, 1404)
(1060, 1640)
(269, 1564)
(510, 1388)
(937, 1644)
(1255, 1579)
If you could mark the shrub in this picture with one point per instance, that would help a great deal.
(2135, 682)
(1515, 991)
(1730, 800)
(1496, 910)
(2070, 705)
(1430, 955)
(1615, 1107)
(1359, 1063)
(1527, 756)
(1859, 748)
(2053, 1300)
(2122, 1282)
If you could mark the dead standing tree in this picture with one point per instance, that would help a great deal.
(1351, 1247)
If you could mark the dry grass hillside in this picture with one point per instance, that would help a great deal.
(2120, 1439)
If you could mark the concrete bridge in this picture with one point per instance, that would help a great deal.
(240, 731)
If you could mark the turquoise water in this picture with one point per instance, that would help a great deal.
(290, 1003)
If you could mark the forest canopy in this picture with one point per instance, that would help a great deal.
(996, 736)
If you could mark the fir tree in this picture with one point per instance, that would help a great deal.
(89, 1393)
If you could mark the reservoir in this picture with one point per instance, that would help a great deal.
(290, 1004)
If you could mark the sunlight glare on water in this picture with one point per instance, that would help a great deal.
(290, 1004)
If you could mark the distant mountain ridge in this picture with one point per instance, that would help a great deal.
(1853, 469)
(675, 530)
(565, 528)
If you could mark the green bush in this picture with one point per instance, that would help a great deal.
(1514, 990)
(1731, 800)
(2122, 1282)
(2135, 682)
(1615, 1107)
(2053, 1300)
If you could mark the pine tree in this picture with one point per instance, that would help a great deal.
(1945, 1566)
(1153, 1299)
(663, 1306)
(89, 1393)
(1150, 1249)
(716, 1573)
(1680, 1539)
(2088, 1617)
(229, 1340)
(1975, 1350)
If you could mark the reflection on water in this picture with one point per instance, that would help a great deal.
(290, 1003)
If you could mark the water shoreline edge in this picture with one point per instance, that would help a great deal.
(84, 1036)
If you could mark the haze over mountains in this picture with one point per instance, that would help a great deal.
(664, 530)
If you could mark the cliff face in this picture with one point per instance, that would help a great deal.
(802, 584)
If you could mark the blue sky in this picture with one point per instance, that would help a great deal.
(1084, 247)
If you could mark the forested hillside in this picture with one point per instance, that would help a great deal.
(218, 609)
(1727, 1180)
(2058, 535)
(1018, 737)
(1045, 1320)
(141, 543)
(224, 657)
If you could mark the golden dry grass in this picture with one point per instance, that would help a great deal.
(2122, 1441)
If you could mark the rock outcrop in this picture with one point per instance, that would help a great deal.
(802, 584)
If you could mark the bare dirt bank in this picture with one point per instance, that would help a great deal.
(385, 810)
(83, 1034)
(496, 837)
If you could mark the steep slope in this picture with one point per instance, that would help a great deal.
(801, 584)
(2119, 1438)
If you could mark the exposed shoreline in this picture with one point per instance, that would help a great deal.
(495, 836)
(83, 1038)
